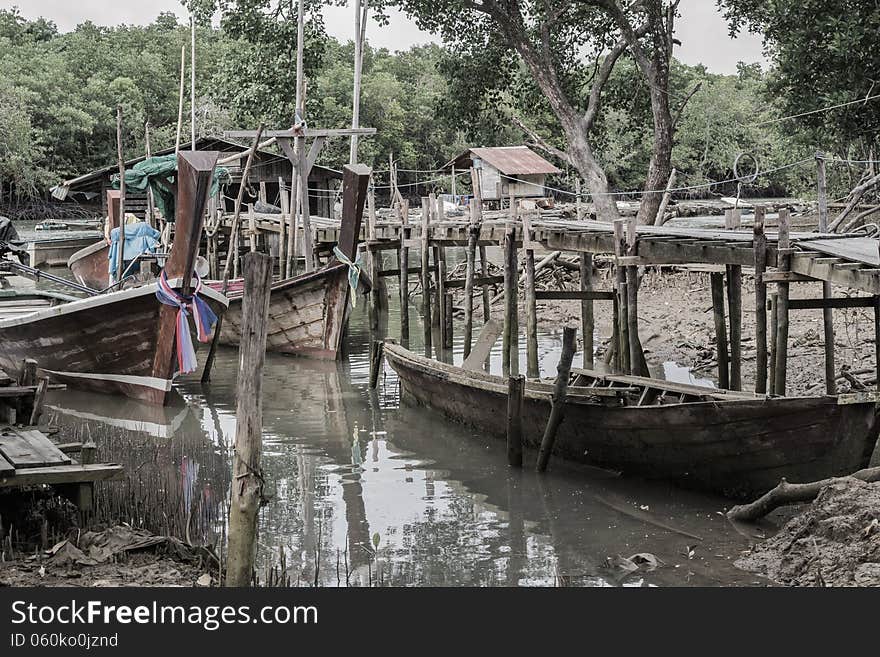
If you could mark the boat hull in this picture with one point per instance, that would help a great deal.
(104, 344)
(306, 315)
(740, 448)
(90, 266)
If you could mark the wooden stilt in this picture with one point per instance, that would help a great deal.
(587, 319)
(441, 301)
(484, 272)
(532, 367)
(247, 488)
(404, 272)
(510, 286)
(516, 386)
(284, 196)
(734, 308)
(717, 284)
(827, 313)
(774, 321)
(783, 264)
(622, 301)
(426, 275)
(636, 355)
(560, 390)
(438, 299)
(447, 320)
(760, 246)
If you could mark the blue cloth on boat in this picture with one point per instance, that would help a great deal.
(140, 237)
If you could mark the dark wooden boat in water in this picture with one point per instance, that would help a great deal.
(90, 265)
(735, 443)
(122, 342)
(307, 313)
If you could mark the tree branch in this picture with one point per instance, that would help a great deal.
(685, 102)
(540, 142)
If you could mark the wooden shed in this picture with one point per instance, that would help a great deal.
(90, 189)
(506, 171)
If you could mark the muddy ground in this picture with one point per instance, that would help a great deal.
(835, 541)
(116, 556)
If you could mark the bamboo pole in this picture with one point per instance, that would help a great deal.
(560, 391)
(192, 83)
(587, 319)
(783, 264)
(120, 257)
(734, 304)
(180, 101)
(308, 242)
(441, 302)
(247, 487)
(231, 254)
(148, 152)
(515, 396)
(760, 247)
(293, 227)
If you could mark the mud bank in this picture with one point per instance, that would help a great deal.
(835, 541)
(118, 556)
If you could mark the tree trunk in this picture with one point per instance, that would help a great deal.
(582, 157)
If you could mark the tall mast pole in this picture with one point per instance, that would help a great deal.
(192, 82)
(360, 26)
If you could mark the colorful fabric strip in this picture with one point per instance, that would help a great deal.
(203, 317)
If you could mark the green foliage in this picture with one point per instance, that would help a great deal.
(825, 53)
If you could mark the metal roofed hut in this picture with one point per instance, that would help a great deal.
(507, 171)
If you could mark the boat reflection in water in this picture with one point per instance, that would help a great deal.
(176, 468)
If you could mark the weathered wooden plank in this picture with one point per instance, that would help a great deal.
(485, 341)
(29, 448)
(6, 468)
(64, 474)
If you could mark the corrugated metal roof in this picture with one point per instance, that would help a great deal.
(509, 160)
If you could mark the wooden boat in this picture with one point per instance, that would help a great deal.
(121, 342)
(55, 252)
(735, 443)
(307, 313)
(90, 265)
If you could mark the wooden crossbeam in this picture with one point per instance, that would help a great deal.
(839, 302)
(580, 295)
(308, 132)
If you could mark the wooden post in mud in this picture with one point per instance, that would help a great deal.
(827, 313)
(478, 219)
(783, 265)
(622, 338)
(732, 221)
(774, 317)
(516, 386)
(716, 280)
(247, 486)
(374, 261)
(587, 320)
(532, 367)
(760, 246)
(404, 271)
(426, 274)
(510, 347)
(560, 390)
(476, 222)
(578, 212)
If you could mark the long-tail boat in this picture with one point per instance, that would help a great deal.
(735, 443)
(133, 341)
(90, 265)
(307, 313)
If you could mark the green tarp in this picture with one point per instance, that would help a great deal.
(158, 173)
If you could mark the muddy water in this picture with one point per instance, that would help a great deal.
(366, 491)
